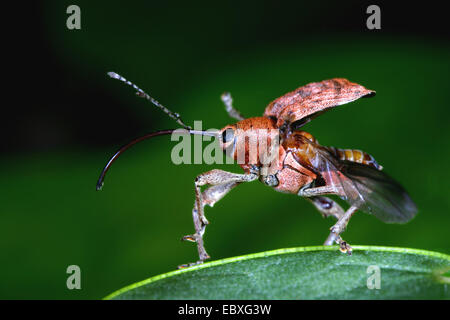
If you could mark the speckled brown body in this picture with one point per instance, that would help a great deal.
(298, 161)
(274, 150)
(302, 165)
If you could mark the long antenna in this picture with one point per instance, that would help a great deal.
(141, 93)
(101, 179)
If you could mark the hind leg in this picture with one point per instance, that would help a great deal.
(338, 228)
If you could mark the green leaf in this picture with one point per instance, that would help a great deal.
(306, 273)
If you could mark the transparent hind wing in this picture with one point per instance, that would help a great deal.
(329, 168)
(367, 188)
(384, 197)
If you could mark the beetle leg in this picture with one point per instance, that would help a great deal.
(327, 207)
(342, 217)
(228, 102)
(311, 192)
(210, 196)
(338, 228)
(214, 193)
(221, 183)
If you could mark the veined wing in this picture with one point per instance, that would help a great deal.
(384, 197)
(371, 190)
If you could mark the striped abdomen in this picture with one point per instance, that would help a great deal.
(355, 156)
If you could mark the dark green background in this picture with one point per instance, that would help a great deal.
(71, 117)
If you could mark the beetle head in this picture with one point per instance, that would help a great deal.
(227, 139)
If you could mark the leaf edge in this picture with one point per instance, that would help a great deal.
(263, 254)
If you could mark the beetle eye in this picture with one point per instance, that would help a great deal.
(227, 135)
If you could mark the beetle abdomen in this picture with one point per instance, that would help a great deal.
(355, 155)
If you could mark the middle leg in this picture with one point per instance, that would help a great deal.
(328, 207)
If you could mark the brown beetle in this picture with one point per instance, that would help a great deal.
(298, 163)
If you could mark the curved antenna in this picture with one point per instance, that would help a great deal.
(101, 179)
(141, 93)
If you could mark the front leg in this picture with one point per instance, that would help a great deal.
(221, 183)
(214, 178)
(228, 102)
